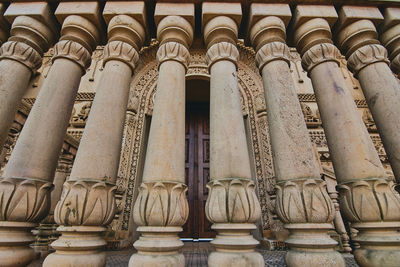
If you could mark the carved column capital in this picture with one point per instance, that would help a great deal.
(318, 54)
(22, 53)
(86, 203)
(222, 51)
(303, 201)
(175, 29)
(73, 51)
(390, 36)
(161, 204)
(366, 55)
(232, 200)
(173, 51)
(267, 30)
(119, 50)
(272, 51)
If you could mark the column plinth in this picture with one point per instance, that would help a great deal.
(302, 203)
(161, 208)
(353, 154)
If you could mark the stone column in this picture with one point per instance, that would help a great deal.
(367, 197)
(390, 36)
(232, 205)
(90, 189)
(46, 232)
(30, 170)
(302, 201)
(367, 59)
(161, 207)
(33, 31)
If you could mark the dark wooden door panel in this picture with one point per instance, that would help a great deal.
(197, 157)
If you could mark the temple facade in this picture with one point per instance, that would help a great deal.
(145, 123)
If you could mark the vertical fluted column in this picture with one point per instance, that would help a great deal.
(96, 163)
(33, 31)
(367, 197)
(367, 59)
(232, 205)
(302, 201)
(27, 179)
(161, 207)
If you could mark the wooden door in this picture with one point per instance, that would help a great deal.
(197, 160)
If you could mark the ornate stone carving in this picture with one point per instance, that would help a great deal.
(366, 55)
(369, 200)
(303, 201)
(85, 203)
(173, 51)
(122, 51)
(22, 53)
(318, 54)
(232, 201)
(161, 204)
(73, 51)
(222, 51)
(79, 119)
(24, 200)
(272, 51)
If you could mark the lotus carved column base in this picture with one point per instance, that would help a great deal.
(158, 246)
(372, 206)
(15, 238)
(78, 246)
(379, 244)
(310, 245)
(234, 246)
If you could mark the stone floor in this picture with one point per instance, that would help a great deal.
(196, 254)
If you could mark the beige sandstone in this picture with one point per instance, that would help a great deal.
(367, 59)
(21, 55)
(161, 207)
(302, 201)
(232, 205)
(357, 166)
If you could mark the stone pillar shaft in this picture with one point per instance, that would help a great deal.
(367, 59)
(302, 202)
(366, 195)
(161, 207)
(231, 184)
(21, 55)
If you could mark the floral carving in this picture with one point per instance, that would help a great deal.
(173, 51)
(74, 51)
(22, 53)
(24, 200)
(222, 51)
(366, 55)
(88, 203)
(232, 201)
(318, 54)
(272, 51)
(303, 201)
(118, 50)
(161, 204)
(369, 200)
